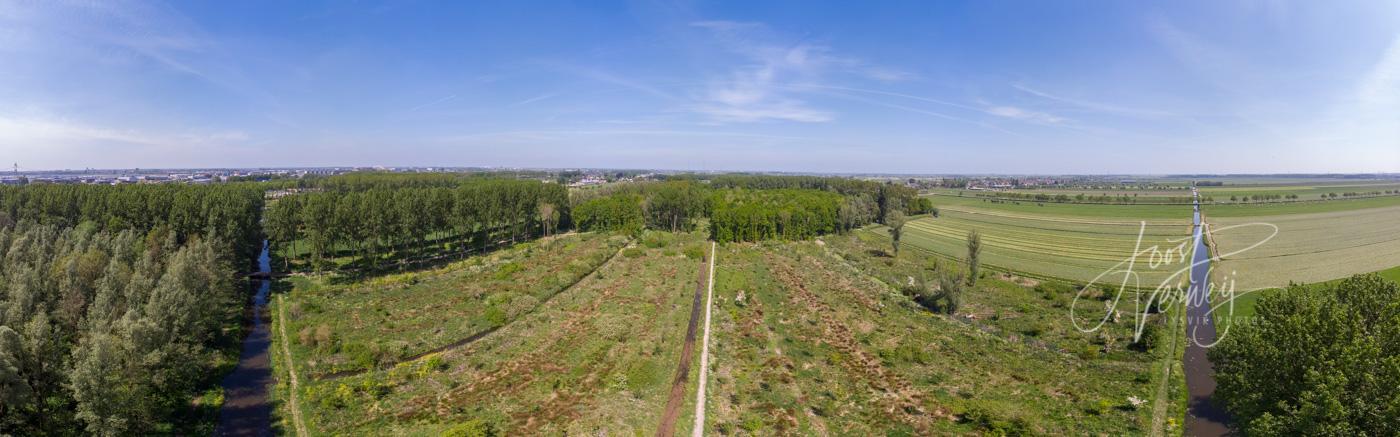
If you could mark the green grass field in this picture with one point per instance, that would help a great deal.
(1309, 246)
(1159, 212)
(1071, 248)
(1306, 190)
(1317, 240)
(599, 356)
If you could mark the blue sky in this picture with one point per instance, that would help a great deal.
(920, 86)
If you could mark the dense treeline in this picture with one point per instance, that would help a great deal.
(885, 197)
(110, 332)
(669, 205)
(378, 180)
(1318, 360)
(226, 212)
(1090, 198)
(373, 215)
(785, 214)
(746, 207)
(617, 212)
(1264, 197)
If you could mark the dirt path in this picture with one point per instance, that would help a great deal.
(699, 428)
(295, 386)
(677, 397)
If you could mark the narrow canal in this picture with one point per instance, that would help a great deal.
(1203, 417)
(247, 410)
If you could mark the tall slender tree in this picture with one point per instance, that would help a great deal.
(974, 254)
(895, 220)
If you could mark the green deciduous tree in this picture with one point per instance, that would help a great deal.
(1317, 361)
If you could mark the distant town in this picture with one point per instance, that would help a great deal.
(587, 177)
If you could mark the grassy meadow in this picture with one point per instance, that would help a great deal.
(1077, 249)
(816, 339)
(599, 356)
(388, 318)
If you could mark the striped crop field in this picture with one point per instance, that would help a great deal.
(1309, 247)
(1063, 247)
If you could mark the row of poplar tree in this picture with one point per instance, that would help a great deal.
(746, 207)
(371, 216)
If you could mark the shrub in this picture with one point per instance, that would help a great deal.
(632, 252)
(1100, 407)
(507, 270)
(494, 316)
(1151, 337)
(472, 428)
(694, 251)
(432, 364)
(905, 353)
(1089, 352)
(656, 240)
(989, 421)
(752, 423)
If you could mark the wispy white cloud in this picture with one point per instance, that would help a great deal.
(762, 88)
(1023, 114)
(1001, 111)
(39, 143)
(534, 99)
(787, 110)
(21, 132)
(126, 36)
(1380, 87)
(440, 100)
(1095, 106)
(611, 78)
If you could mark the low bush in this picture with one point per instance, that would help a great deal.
(694, 251)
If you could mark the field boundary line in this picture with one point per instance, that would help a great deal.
(699, 429)
(291, 369)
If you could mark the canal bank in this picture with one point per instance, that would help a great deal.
(247, 410)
